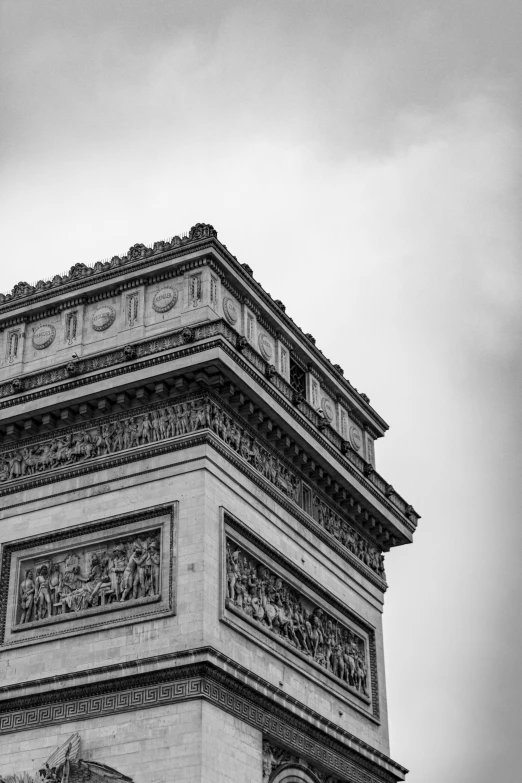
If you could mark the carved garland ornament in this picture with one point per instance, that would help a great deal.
(265, 598)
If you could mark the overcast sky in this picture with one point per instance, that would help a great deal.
(364, 159)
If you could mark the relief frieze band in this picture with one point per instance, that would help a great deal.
(263, 597)
(82, 446)
(372, 481)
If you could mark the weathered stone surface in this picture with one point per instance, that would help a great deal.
(192, 532)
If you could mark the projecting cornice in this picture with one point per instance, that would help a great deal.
(28, 303)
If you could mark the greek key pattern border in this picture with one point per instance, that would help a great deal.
(259, 715)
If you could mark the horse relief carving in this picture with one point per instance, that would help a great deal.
(266, 598)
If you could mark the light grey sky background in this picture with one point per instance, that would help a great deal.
(364, 159)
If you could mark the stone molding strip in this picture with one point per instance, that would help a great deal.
(235, 690)
(221, 329)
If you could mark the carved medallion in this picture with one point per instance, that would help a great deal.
(265, 346)
(230, 310)
(43, 336)
(164, 299)
(103, 317)
(355, 438)
(328, 410)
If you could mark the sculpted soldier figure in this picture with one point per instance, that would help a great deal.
(42, 595)
(153, 563)
(134, 575)
(56, 585)
(27, 589)
(116, 570)
(232, 572)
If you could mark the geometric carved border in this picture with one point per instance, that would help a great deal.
(210, 683)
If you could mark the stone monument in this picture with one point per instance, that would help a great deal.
(192, 533)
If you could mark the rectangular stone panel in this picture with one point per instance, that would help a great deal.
(117, 570)
(312, 629)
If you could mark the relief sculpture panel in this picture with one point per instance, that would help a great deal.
(265, 598)
(146, 428)
(119, 571)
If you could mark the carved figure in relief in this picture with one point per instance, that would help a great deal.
(175, 420)
(133, 579)
(42, 594)
(130, 571)
(56, 586)
(116, 571)
(265, 597)
(153, 568)
(27, 589)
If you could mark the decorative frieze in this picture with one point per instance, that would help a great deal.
(157, 424)
(265, 598)
(118, 571)
(111, 571)
(369, 554)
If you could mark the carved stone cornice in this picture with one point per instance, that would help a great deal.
(142, 257)
(329, 439)
(237, 691)
(277, 384)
